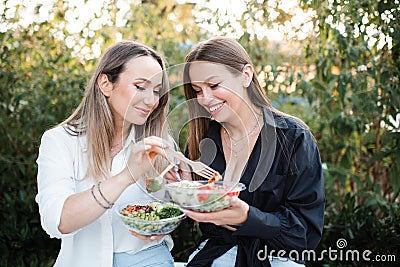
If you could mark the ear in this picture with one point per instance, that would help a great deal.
(248, 72)
(105, 85)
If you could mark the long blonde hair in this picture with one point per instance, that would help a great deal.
(93, 117)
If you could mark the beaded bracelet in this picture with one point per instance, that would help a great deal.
(98, 202)
(105, 199)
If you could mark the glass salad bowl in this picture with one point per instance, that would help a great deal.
(204, 196)
(156, 218)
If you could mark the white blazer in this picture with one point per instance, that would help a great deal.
(62, 164)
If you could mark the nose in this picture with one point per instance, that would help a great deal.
(206, 95)
(149, 98)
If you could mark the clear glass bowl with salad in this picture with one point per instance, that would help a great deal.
(204, 196)
(156, 218)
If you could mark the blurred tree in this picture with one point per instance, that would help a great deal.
(41, 84)
(354, 93)
(47, 52)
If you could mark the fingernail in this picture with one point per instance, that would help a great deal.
(177, 176)
(176, 168)
(147, 147)
(177, 161)
(152, 237)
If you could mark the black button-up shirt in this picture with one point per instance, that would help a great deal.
(284, 189)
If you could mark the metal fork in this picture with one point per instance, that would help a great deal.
(169, 167)
(164, 172)
(197, 166)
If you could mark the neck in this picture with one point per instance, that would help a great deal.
(121, 132)
(244, 124)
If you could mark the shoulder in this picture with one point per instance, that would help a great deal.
(281, 120)
(285, 122)
(57, 144)
(297, 142)
(292, 129)
(58, 131)
(58, 135)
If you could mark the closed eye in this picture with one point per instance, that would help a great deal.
(139, 87)
(157, 91)
(197, 90)
(215, 85)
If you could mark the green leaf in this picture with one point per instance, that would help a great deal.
(395, 178)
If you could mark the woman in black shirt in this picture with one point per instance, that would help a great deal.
(234, 129)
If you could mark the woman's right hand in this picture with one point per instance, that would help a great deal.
(142, 154)
(145, 237)
(182, 171)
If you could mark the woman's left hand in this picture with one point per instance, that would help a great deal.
(146, 237)
(236, 214)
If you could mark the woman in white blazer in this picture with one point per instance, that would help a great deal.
(94, 160)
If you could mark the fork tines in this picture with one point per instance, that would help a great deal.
(207, 173)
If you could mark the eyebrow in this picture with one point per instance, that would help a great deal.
(143, 79)
(147, 81)
(207, 79)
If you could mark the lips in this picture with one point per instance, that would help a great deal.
(214, 109)
(143, 111)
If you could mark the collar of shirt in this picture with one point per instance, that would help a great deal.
(270, 118)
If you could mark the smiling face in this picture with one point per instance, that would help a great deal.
(136, 93)
(218, 90)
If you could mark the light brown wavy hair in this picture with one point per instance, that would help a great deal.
(93, 117)
(230, 53)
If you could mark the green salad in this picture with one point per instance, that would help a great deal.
(155, 218)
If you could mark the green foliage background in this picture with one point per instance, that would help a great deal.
(343, 86)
